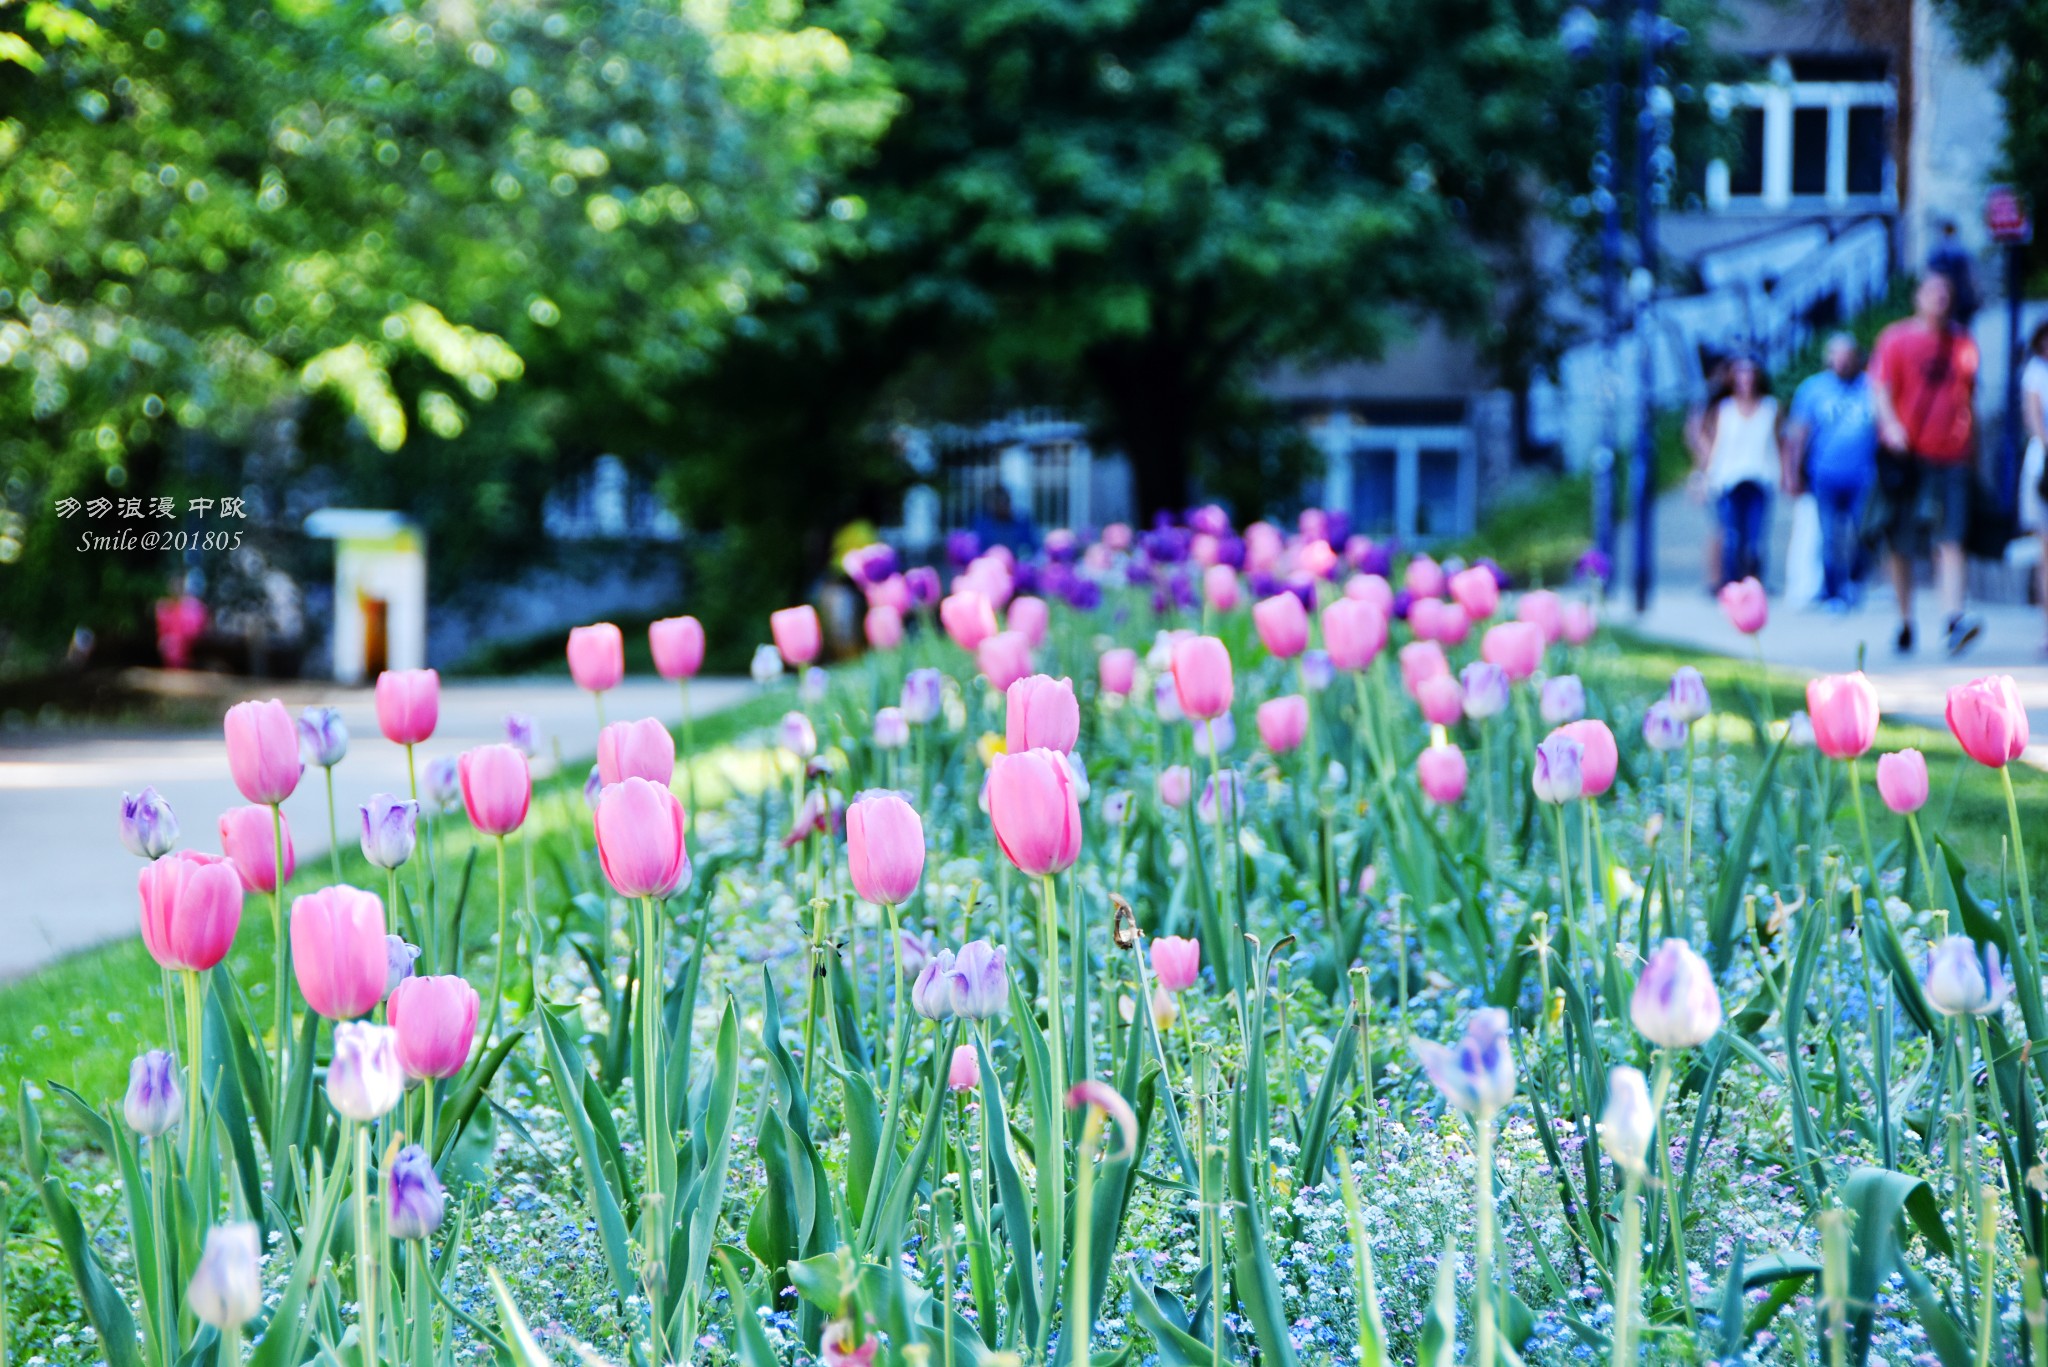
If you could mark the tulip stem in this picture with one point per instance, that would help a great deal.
(504, 948)
(689, 761)
(1052, 1196)
(366, 1250)
(1920, 851)
(1661, 1090)
(195, 1052)
(1683, 925)
(333, 838)
(653, 1125)
(422, 914)
(1628, 1268)
(893, 1121)
(279, 1086)
(1863, 831)
(166, 1316)
(2019, 860)
(1080, 1326)
(1482, 1346)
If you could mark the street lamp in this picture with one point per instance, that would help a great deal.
(1579, 31)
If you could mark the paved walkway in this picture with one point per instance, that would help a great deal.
(69, 884)
(1813, 641)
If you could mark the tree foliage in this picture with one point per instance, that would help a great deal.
(2014, 33)
(314, 245)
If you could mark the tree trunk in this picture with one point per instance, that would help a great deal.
(1148, 390)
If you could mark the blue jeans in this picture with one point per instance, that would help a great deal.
(1841, 537)
(1745, 508)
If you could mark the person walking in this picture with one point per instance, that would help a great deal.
(1831, 450)
(2034, 472)
(1737, 462)
(1923, 384)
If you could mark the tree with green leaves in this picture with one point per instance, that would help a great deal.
(432, 257)
(2014, 33)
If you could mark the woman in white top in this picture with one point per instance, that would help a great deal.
(2034, 473)
(1737, 459)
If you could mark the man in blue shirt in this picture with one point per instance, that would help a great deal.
(1832, 451)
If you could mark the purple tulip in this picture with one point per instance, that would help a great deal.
(1316, 670)
(1688, 695)
(1563, 699)
(522, 733)
(390, 829)
(1477, 1074)
(978, 986)
(1957, 983)
(1663, 729)
(154, 1101)
(1486, 689)
(323, 738)
(148, 828)
(398, 957)
(414, 1200)
(1676, 1004)
(932, 994)
(923, 693)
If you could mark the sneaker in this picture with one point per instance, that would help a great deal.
(1904, 644)
(1963, 628)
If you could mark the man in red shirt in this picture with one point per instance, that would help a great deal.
(1923, 384)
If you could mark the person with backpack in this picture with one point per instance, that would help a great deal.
(1923, 375)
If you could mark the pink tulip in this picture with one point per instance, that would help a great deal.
(884, 849)
(408, 704)
(1221, 588)
(1844, 712)
(1176, 962)
(1118, 670)
(636, 749)
(678, 646)
(1441, 698)
(1424, 578)
(1317, 559)
(1031, 617)
(963, 1074)
(1370, 588)
(1421, 660)
(1283, 625)
(1517, 647)
(1545, 610)
(1440, 770)
(263, 751)
(968, 619)
(640, 838)
(1746, 605)
(1040, 713)
(1004, 658)
(1988, 719)
(1579, 622)
(1902, 780)
(1283, 722)
(497, 787)
(247, 839)
(1476, 591)
(1202, 681)
(1354, 632)
(797, 634)
(1176, 783)
(1262, 547)
(1432, 619)
(191, 908)
(1035, 811)
(1599, 758)
(435, 1019)
(338, 951)
(597, 657)
(883, 626)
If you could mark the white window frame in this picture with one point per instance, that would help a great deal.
(1779, 100)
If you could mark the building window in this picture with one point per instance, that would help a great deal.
(1746, 174)
(1869, 148)
(1810, 151)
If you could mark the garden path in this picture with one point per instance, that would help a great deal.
(67, 882)
(1812, 641)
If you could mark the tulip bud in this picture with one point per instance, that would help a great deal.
(1688, 695)
(1599, 757)
(1441, 771)
(1354, 630)
(1282, 624)
(148, 828)
(191, 908)
(408, 705)
(1988, 720)
(1958, 984)
(963, 1074)
(932, 994)
(597, 657)
(1843, 712)
(398, 959)
(497, 787)
(1175, 785)
(1116, 808)
(444, 784)
(640, 842)
(390, 829)
(1219, 799)
(1902, 781)
(1176, 962)
(1441, 699)
(1747, 607)
(837, 1346)
(813, 685)
(414, 1200)
(636, 749)
(433, 1020)
(323, 737)
(1040, 712)
(1627, 1122)
(522, 733)
(884, 848)
(154, 1101)
(1111, 1103)
(364, 1080)
(593, 784)
(1477, 1075)
(1517, 647)
(923, 694)
(226, 1290)
(1283, 723)
(1676, 1004)
(766, 666)
(338, 952)
(797, 634)
(1317, 672)
(246, 838)
(797, 736)
(1663, 729)
(678, 646)
(1563, 699)
(1202, 681)
(1035, 811)
(892, 728)
(1799, 732)
(1165, 1009)
(1118, 670)
(1559, 772)
(1486, 690)
(263, 751)
(978, 986)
